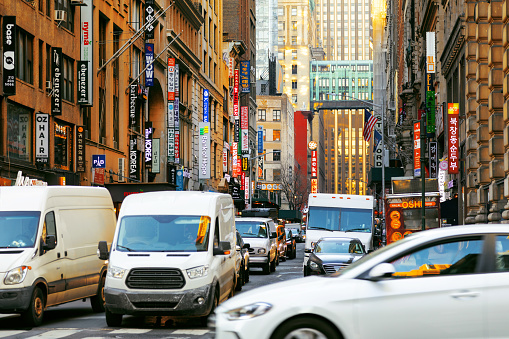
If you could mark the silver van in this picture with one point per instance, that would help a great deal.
(261, 234)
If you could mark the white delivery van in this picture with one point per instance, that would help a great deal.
(48, 247)
(172, 254)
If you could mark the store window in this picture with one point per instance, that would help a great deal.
(63, 146)
(19, 132)
(294, 69)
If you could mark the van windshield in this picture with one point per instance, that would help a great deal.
(340, 219)
(163, 233)
(251, 229)
(18, 229)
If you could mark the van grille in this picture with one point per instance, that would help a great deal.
(155, 278)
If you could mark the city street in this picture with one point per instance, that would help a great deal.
(76, 319)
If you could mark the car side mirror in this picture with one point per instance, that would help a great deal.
(381, 271)
(102, 250)
(238, 248)
(273, 235)
(307, 250)
(49, 243)
(246, 245)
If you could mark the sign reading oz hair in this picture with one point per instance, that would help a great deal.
(9, 58)
(42, 138)
(56, 66)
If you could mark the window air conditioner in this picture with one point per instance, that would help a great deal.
(49, 85)
(60, 15)
(77, 3)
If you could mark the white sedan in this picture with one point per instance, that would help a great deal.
(444, 283)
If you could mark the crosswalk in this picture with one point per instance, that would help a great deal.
(104, 333)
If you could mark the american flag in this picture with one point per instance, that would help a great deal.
(369, 122)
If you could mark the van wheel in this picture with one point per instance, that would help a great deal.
(305, 328)
(267, 267)
(113, 319)
(240, 280)
(246, 277)
(97, 301)
(35, 312)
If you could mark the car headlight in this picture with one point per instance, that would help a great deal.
(248, 311)
(198, 272)
(261, 250)
(16, 275)
(313, 265)
(116, 272)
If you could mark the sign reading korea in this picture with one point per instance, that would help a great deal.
(452, 127)
(9, 59)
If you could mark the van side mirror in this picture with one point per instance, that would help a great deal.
(223, 249)
(273, 235)
(246, 245)
(50, 243)
(102, 250)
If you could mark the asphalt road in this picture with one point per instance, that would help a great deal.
(76, 319)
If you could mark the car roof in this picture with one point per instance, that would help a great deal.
(253, 219)
(460, 230)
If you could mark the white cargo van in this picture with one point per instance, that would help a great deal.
(172, 254)
(48, 247)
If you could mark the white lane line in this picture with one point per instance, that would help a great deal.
(193, 332)
(56, 333)
(4, 334)
(130, 331)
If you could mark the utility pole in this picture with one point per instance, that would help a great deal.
(423, 172)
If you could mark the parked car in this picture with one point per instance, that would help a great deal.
(291, 244)
(242, 250)
(456, 276)
(281, 243)
(333, 254)
(262, 236)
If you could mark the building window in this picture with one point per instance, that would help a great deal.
(261, 115)
(281, 26)
(294, 84)
(294, 98)
(276, 172)
(25, 56)
(276, 115)
(281, 40)
(135, 14)
(294, 54)
(68, 78)
(294, 40)
(294, 69)
(276, 156)
(294, 25)
(294, 10)
(280, 11)
(41, 64)
(63, 5)
(48, 66)
(19, 132)
(276, 135)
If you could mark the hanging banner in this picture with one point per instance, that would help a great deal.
(56, 66)
(87, 52)
(314, 185)
(225, 160)
(133, 121)
(149, 58)
(245, 163)
(156, 159)
(433, 159)
(171, 79)
(204, 153)
(246, 188)
(42, 138)
(244, 124)
(171, 144)
(236, 129)
(452, 127)
(148, 145)
(417, 149)
(82, 76)
(236, 94)
(430, 83)
(177, 145)
(149, 19)
(314, 164)
(260, 167)
(231, 66)
(176, 113)
(205, 105)
(260, 140)
(133, 158)
(80, 149)
(234, 151)
(242, 180)
(245, 79)
(177, 81)
(9, 51)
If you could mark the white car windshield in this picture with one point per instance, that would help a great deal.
(163, 233)
(18, 229)
(252, 229)
(340, 219)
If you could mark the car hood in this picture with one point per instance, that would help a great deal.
(14, 257)
(283, 294)
(256, 242)
(336, 257)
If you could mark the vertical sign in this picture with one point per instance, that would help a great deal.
(56, 66)
(149, 58)
(244, 125)
(9, 59)
(260, 167)
(205, 105)
(314, 185)
(234, 150)
(149, 19)
(204, 159)
(155, 156)
(260, 139)
(82, 92)
(171, 132)
(433, 159)
(430, 80)
(180, 180)
(133, 122)
(230, 67)
(80, 149)
(242, 180)
(452, 127)
(177, 129)
(171, 79)
(245, 80)
(177, 81)
(236, 106)
(246, 189)
(314, 164)
(225, 160)
(42, 138)
(133, 158)
(87, 52)
(148, 145)
(417, 149)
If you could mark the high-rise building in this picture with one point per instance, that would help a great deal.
(266, 36)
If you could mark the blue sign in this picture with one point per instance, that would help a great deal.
(99, 161)
(260, 139)
(205, 105)
(149, 58)
(180, 180)
(245, 79)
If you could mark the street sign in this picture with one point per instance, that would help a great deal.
(99, 161)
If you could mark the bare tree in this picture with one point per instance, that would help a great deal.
(294, 185)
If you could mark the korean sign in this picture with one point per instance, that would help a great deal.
(417, 149)
(452, 127)
(245, 80)
(204, 153)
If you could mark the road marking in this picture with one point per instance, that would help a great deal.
(193, 332)
(131, 331)
(4, 334)
(57, 333)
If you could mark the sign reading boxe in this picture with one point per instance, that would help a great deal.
(9, 58)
